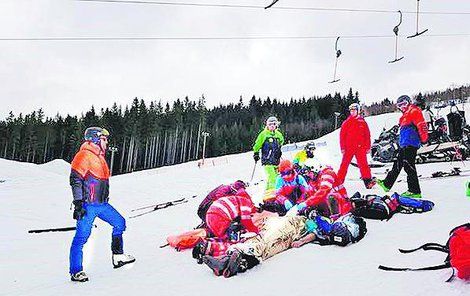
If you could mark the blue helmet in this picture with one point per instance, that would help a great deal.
(93, 134)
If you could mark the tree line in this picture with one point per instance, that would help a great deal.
(154, 135)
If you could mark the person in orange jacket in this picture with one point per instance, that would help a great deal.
(355, 142)
(89, 179)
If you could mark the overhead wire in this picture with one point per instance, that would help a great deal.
(277, 7)
(202, 38)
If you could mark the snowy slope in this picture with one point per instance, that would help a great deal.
(38, 196)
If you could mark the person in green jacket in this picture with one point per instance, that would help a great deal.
(269, 141)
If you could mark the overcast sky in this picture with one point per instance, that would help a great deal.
(70, 76)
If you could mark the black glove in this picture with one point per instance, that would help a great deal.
(78, 212)
(256, 156)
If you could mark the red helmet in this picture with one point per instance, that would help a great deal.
(285, 166)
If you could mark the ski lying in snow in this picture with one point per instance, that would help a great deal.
(160, 206)
(155, 206)
(372, 165)
(455, 172)
(63, 229)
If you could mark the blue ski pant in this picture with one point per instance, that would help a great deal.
(106, 213)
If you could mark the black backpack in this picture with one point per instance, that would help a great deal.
(374, 206)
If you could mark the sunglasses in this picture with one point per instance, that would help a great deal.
(287, 173)
(104, 139)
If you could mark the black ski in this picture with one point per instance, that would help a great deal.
(161, 206)
(62, 229)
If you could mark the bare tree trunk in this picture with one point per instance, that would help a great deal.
(13, 152)
(198, 139)
(45, 148)
(157, 150)
(146, 152)
(175, 146)
(5, 150)
(136, 154)
(190, 142)
(164, 150)
(130, 154)
(123, 150)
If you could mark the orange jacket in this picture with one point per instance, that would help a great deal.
(89, 177)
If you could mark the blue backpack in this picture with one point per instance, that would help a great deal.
(412, 205)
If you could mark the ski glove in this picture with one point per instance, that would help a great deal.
(78, 212)
(288, 205)
(256, 156)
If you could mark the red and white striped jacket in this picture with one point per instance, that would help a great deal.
(232, 207)
(325, 184)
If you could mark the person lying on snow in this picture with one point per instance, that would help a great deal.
(237, 188)
(291, 188)
(281, 233)
(227, 218)
(328, 195)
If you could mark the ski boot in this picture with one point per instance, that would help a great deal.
(382, 185)
(120, 260)
(199, 251)
(79, 277)
(411, 194)
(218, 265)
(235, 264)
(370, 183)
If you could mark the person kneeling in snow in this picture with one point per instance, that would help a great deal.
(236, 188)
(226, 219)
(329, 196)
(291, 189)
(89, 179)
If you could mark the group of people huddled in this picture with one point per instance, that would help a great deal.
(305, 199)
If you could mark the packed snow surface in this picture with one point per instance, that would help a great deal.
(39, 196)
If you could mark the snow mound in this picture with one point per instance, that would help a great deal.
(56, 166)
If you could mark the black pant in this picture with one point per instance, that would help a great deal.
(405, 159)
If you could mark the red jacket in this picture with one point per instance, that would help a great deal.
(325, 185)
(231, 207)
(354, 134)
(217, 193)
(413, 128)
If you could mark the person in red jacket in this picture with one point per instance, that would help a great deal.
(236, 188)
(329, 197)
(355, 142)
(226, 218)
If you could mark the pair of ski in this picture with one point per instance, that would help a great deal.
(152, 208)
(455, 172)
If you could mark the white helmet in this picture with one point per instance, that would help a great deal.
(355, 106)
(313, 165)
(272, 119)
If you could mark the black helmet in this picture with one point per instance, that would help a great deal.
(420, 101)
(403, 98)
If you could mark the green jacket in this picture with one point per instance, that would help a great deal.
(270, 144)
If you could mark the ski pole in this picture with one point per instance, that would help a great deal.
(253, 172)
(63, 229)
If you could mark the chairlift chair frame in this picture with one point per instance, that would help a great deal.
(418, 33)
(395, 31)
(338, 54)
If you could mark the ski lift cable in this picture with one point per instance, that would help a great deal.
(272, 6)
(208, 38)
